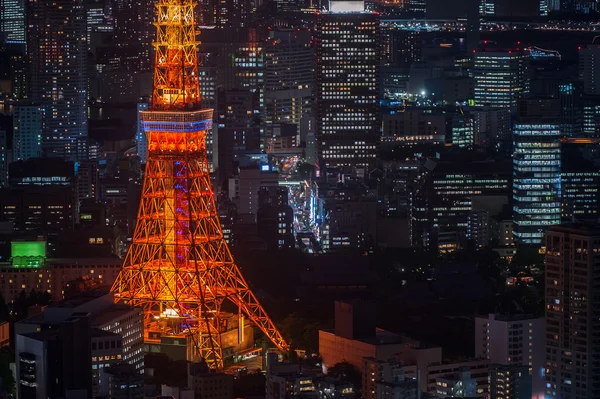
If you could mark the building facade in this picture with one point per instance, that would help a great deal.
(572, 278)
(348, 57)
(57, 77)
(508, 340)
(501, 77)
(536, 171)
(27, 133)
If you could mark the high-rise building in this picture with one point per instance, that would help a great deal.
(571, 108)
(589, 68)
(536, 170)
(133, 30)
(288, 76)
(12, 20)
(572, 255)
(27, 133)
(513, 340)
(57, 80)
(348, 119)
(501, 77)
(580, 181)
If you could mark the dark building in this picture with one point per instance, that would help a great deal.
(44, 209)
(289, 65)
(41, 172)
(134, 30)
(121, 381)
(239, 126)
(275, 217)
(57, 362)
(355, 320)
(572, 256)
(451, 192)
(57, 80)
(580, 182)
(348, 58)
(510, 382)
(232, 80)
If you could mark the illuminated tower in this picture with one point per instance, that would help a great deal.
(179, 268)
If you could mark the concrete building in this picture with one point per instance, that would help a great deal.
(107, 351)
(513, 340)
(121, 381)
(286, 380)
(389, 380)
(208, 384)
(50, 275)
(512, 382)
(105, 315)
(571, 320)
(355, 337)
(420, 367)
(413, 126)
(455, 385)
(55, 362)
(249, 184)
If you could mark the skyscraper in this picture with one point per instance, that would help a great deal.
(348, 56)
(572, 323)
(12, 20)
(501, 77)
(289, 63)
(57, 80)
(536, 170)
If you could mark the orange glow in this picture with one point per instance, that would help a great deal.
(179, 269)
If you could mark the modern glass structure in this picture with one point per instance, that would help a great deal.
(348, 119)
(536, 180)
(27, 139)
(501, 77)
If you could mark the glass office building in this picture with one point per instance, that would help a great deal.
(536, 180)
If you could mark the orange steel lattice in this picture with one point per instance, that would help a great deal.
(179, 268)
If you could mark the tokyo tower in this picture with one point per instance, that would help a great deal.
(179, 268)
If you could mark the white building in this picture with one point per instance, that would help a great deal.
(513, 340)
(105, 315)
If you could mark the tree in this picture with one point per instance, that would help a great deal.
(7, 356)
(346, 372)
(4, 312)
